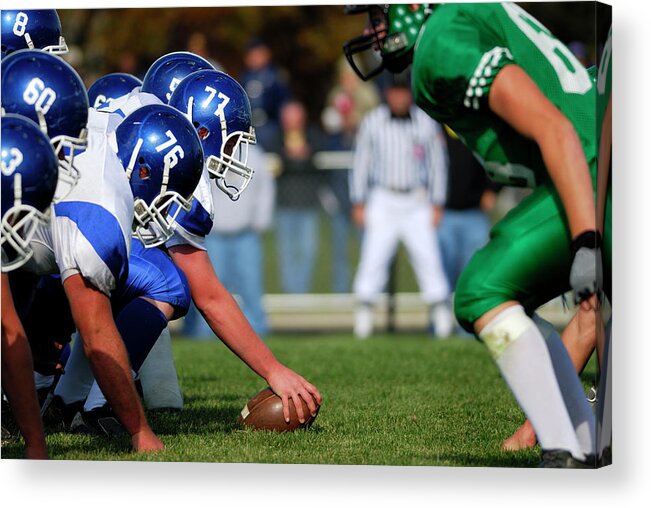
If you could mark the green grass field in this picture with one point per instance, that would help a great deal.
(394, 400)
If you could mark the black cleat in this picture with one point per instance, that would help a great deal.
(605, 457)
(57, 414)
(100, 421)
(562, 459)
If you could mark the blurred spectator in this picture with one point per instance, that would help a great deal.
(297, 214)
(348, 101)
(470, 198)
(398, 186)
(235, 247)
(128, 62)
(267, 89)
(198, 44)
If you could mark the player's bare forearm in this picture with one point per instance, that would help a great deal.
(221, 311)
(91, 311)
(517, 100)
(227, 321)
(18, 378)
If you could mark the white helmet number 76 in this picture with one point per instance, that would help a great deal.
(172, 157)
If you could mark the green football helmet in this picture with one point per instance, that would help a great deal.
(389, 38)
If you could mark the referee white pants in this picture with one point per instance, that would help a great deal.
(391, 217)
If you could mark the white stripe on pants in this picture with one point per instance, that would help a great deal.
(392, 217)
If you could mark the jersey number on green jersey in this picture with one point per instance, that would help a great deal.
(571, 74)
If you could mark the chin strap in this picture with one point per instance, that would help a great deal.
(132, 160)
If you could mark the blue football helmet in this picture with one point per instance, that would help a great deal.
(219, 108)
(162, 155)
(29, 178)
(47, 90)
(110, 87)
(32, 29)
(167, 72)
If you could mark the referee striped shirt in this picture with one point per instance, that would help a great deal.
(399, 154)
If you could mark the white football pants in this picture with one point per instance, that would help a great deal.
(392, 217)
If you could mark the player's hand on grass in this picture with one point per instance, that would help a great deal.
(146, 441)
(586, 268)
(287, 384)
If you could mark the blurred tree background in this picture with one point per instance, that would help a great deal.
(306, 40)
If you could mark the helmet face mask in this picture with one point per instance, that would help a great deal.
(230, 171)
(29, 178)
(66, 148)
(154, 224)
(57, 49)
(363, 52)
(388, 39)
(18, 226)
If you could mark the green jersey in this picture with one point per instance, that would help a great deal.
(459, 52)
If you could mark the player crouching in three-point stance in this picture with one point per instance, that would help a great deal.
(29, 179)
(523, 103)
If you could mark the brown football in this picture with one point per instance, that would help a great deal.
(265, 412)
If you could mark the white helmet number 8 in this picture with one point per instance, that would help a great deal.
(38, 95)
(21, 24)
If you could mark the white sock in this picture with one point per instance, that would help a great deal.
(605, 396)
(520, 352)
(42, 381)
(160, 384)
(576, 402)
(96, 397)
(75, 383)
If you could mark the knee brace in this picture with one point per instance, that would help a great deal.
(504, 329)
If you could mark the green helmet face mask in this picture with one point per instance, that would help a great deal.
(389, 38)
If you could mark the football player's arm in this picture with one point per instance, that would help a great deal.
(18, 377)
(517, 100)
(225, 318)
(103, 346)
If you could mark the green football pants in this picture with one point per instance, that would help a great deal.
(527, 259)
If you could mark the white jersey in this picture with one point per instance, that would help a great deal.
(90, 230)
(127, 104)
(192, 227)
